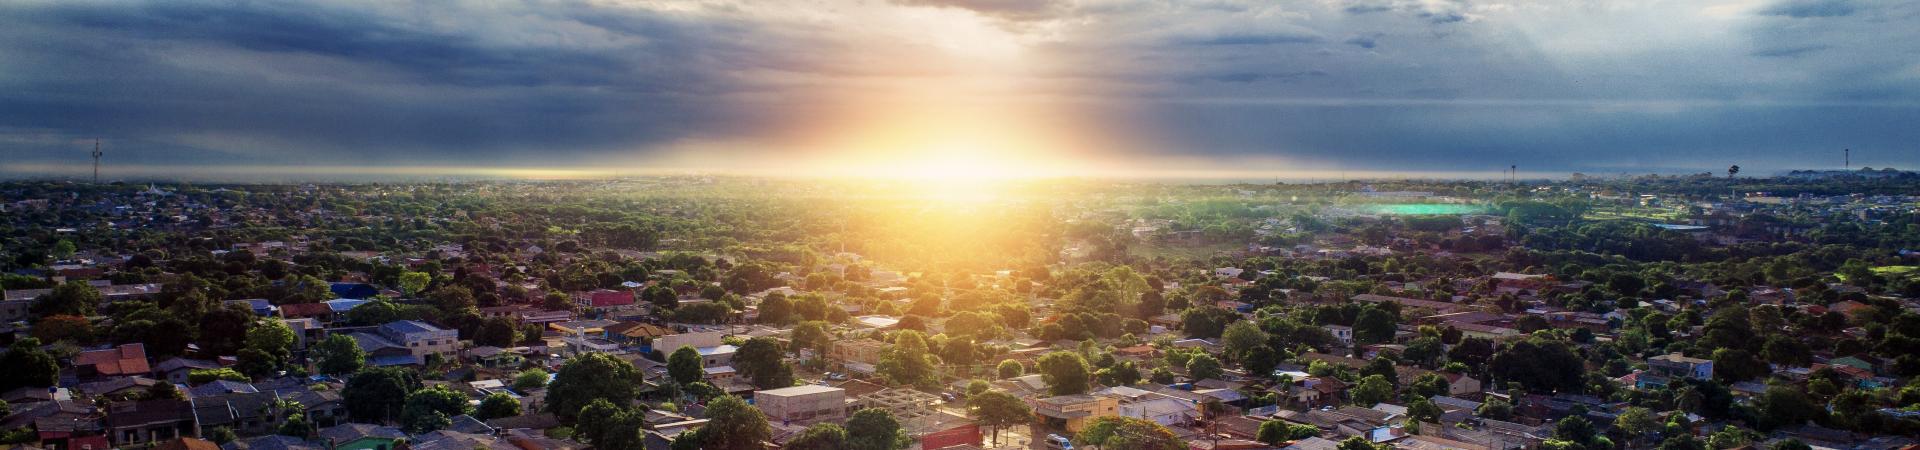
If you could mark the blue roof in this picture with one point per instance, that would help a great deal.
(411, 326)
(345, 304)
(354, 290)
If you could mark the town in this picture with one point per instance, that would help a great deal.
(1686, 312)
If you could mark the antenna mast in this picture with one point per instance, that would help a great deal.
(1847, 156)
(96, 161)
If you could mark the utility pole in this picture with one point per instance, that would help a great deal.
(96, 161)
(1847, 156)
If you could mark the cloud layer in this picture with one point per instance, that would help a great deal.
(1627, 86)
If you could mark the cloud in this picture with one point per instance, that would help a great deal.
(1018, 10)
(1364, 41)
(1811, 9)
(1790, 52)
(526, 82)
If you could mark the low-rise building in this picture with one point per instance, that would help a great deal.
(803, 404)
(1072, 412)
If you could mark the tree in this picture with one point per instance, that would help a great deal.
(269, 345)
(1372, 390)
(592, 376)
(204, 376)
(907, 361)
(497, 405)
(873, 429)
(813, 335)
(1010, 368)
(377, 394)
(296, 425)
(1636, 422)
(1374, 325)
(27, 366)
(1206, 322)
(1540, 365)
(64, 328)
(761, 361)
(73, 298)
(1240, 338)
(978, 387)
(776, 309)
(820, 436)
(1423, 410)
(684, 365)
(734, 425)
(1204, 366)
(998, 410)
(1734, 365)
(339, 354)
(430, 409)
(496, 332)
(1064, 372)
(1575, 429)
(661, 296)
(1127, 433)
(1495, 409)
(530, 379)
(1733, 170)
(1361, 443)
(64, 249)
(413, 283)
(1275, 432)
(1790, 444)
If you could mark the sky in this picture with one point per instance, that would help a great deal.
(929, 88)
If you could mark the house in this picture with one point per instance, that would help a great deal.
(669, 343)
(127, 359)
(175, 370)
(187, 443)
(1073, 412)
(1342, 333)
(608, 299)
(307, 310)
(14, 310)
(140, 423)
(496, 357)
(259, 306)
(360, 436)
(803, 404)
(865, 351)
(419, 338)
(1681, 366)
(716, 356)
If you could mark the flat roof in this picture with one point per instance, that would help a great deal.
(799, 391)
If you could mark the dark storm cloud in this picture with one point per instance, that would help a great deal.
(272, 82)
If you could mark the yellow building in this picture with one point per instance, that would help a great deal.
(1072, 412)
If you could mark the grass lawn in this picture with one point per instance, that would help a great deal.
(1894, 270)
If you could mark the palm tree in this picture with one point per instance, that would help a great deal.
(1733, 170)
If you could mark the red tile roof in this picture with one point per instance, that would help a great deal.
(298, 310)
(129, 359)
